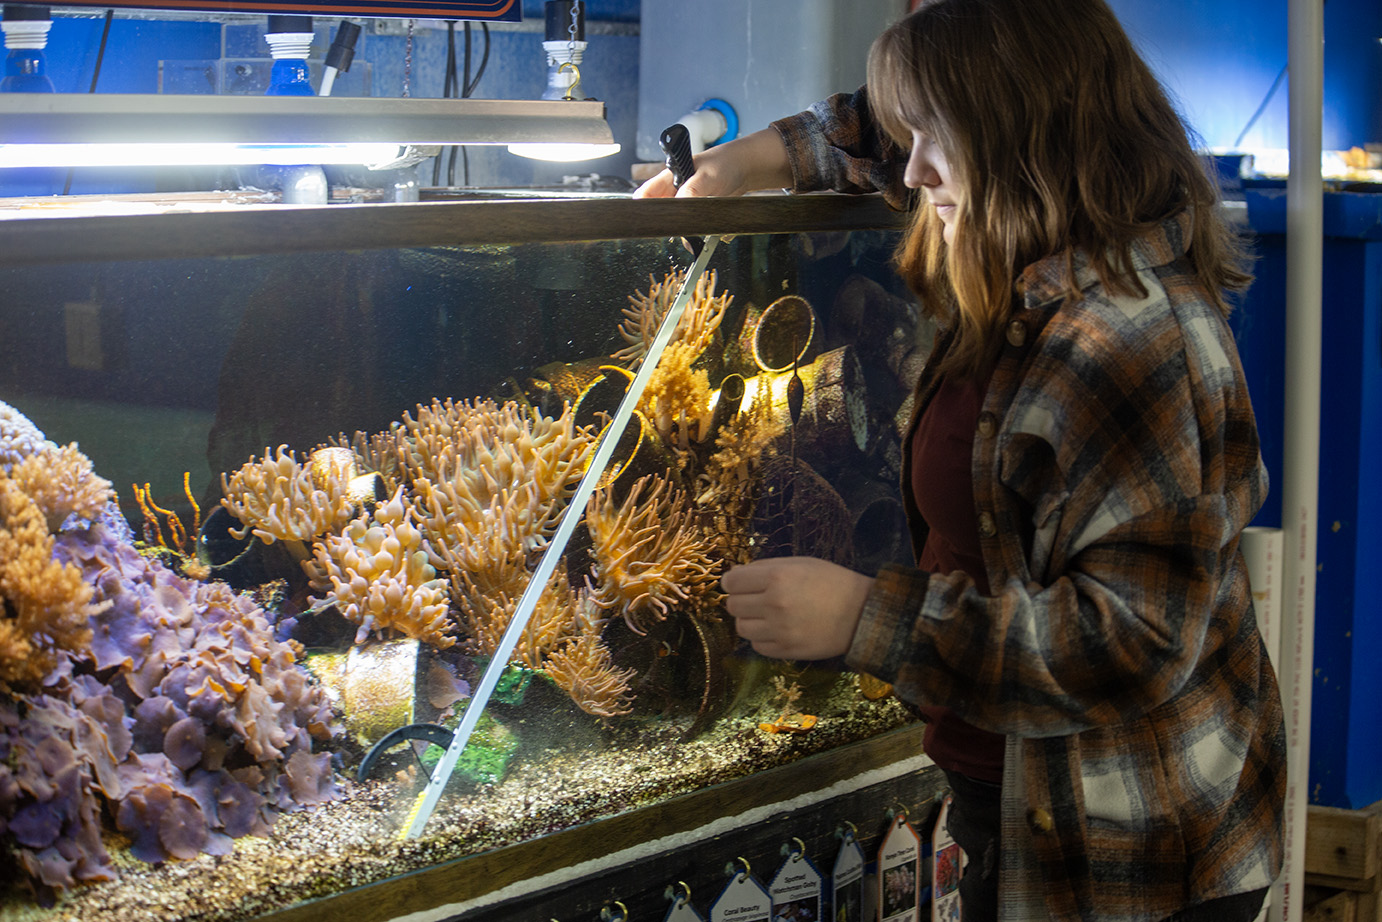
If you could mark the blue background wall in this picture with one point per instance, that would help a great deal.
(1219, 57)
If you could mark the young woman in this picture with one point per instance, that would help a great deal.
(1078, 629)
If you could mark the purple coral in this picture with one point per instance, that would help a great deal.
(185, 715)
(50, 777)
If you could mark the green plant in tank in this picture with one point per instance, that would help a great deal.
(488, 752)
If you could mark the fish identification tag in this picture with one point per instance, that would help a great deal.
(847, 879)
(744, 899)
(899, 863)
(796, 889)
(681, 909)
(947, 867)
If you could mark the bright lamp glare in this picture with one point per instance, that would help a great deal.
(117, 155)
(563, 153)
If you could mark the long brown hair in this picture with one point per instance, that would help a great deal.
(1062, 141)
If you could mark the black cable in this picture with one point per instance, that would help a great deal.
(1262, 108)
(449, 85)
(101, 49)
(484, 62)
(96, 75)
(468, 87)
(465, 82)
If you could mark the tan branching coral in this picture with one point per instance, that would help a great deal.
(490, 562)
(490, 483)
(277, 499)
(45, 606)
(381, 579)
(61, 481)
(486, 616)
(790, 719)
(677, 398)
(482, 447)
(650, 554)
(584, 669)
(744, 439)
(695, 330)
(486, 550)
(726, 487)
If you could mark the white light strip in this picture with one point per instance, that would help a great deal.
(563, 153)
(87, 118)
(191, 154)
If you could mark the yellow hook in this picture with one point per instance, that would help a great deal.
(571, 90)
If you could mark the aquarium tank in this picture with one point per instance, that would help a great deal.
(275, 484)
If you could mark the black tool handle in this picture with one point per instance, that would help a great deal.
(676, 144)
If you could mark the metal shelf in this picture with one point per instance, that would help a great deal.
(175, 231)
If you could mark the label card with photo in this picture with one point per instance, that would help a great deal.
(744, 899)
(797, 888)
(848, 880)
(947, 867)
(899, 867)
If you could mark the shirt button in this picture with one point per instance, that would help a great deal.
(1040, 820)
(987, 528)
(1017, 333)
(988, 424)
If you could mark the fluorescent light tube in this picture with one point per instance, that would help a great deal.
(191, 154)
(563, 153)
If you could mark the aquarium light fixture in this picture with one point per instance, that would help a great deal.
(267, 129)
(563, 153)
(123, 155)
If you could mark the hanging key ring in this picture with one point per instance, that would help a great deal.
(680, 899)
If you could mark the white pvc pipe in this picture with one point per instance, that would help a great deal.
(1263, 549)
(705, 126)
(1301, 462)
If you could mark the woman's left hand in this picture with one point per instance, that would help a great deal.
(796, 607)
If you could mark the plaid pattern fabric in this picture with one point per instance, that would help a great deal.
(835, 145)
(1115, 465)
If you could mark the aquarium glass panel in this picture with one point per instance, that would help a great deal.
(265, 516)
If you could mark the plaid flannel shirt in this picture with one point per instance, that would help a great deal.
(1115, 464)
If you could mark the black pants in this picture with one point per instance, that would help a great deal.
(975, 824)
(1241, 907)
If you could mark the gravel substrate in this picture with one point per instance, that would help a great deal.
(568, 770)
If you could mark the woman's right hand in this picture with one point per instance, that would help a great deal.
(747, 164)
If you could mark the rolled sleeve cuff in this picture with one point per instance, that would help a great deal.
(886, 623)
(808, 152)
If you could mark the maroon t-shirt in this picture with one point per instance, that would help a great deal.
(943, 486)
